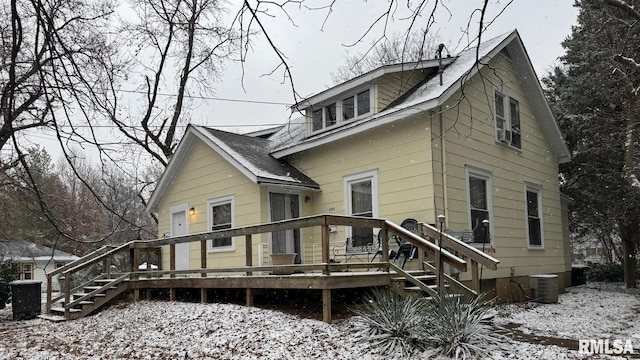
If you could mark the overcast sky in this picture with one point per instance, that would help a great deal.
(315, 51)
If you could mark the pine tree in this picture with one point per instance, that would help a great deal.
(591, 100)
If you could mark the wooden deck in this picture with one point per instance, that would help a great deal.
(326, 276)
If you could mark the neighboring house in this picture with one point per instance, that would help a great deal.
(35, 260)
(471, 142)
(589, 250)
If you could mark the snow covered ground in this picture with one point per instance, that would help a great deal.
(164, 330)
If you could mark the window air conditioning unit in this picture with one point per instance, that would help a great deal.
(504, 136)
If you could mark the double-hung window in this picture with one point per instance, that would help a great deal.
(220, 217)
(361, 197)
(507, 119)
(479, 201)
(534, 215)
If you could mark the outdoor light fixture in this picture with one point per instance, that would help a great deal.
(192, 211)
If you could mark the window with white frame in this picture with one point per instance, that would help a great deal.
(349, 108)
(507, 119)
(534, 215)
(361, 197)
(220, 213)
(479, 202)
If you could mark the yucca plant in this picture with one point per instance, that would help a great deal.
(456, 326)
(392, 323)
(449, 325)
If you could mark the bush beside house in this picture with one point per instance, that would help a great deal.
(9, 271)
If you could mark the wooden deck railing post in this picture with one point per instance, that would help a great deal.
(49, 282)
(148, 255)
(475, 279)
(438, 266)
(203, 256)
(248, 253)
(172, 267)
(67, 294)
(325, 248)
(172, 258)
(385, 245)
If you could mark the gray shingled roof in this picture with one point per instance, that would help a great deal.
(25, 250)
(253, 153)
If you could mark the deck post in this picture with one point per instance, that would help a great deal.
(172, 294)
(203, 295)
(203, 257)
(172, 258)
(48, 308)
(385, 245)
(438, 265)
(134, 255)
(248, 254)
(326, 305)
(67, 294)
(325, 249)
(249, 293)
(475, 279)
(148, 254)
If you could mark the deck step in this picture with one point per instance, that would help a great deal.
(92, 288)
(419, 277)
(83, 294)
(53, 318)
(61, 310)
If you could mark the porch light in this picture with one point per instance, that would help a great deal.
(192, 211)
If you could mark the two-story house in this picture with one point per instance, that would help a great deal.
(470, 137)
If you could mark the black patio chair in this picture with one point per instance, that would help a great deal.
(406, 249)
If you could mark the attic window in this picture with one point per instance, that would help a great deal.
(507, 119)
(347, 109)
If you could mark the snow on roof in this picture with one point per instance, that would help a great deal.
(25, 250)
(252, 153)
(454, 75)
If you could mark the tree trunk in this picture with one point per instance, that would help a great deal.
(629, 264)
(631, 225)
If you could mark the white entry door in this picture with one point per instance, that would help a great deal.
(179, 228)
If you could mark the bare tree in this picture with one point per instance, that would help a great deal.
(176, 50)
(394, 49)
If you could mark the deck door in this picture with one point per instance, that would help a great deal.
(179, 228)
(284, 206)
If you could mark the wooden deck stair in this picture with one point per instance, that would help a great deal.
(93, 296)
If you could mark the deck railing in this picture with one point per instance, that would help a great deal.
(136, 249)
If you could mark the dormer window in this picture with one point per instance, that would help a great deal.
(351, 107)
(507, 119)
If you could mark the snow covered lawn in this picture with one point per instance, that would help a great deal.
(164, 330)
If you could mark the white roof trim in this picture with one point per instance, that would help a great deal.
(366, 78)
(177, 160)
(172, 169)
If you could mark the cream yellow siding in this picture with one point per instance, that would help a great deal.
(400, 155)
(470, 142)
(205, 175)
(390, 87)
